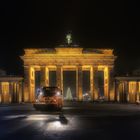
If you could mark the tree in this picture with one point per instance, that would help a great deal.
(69, 94)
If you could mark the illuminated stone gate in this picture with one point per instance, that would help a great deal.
(65, 58)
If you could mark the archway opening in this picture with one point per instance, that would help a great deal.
(52, 78)
(100, 80)
(86, 85)
(37, 82)
(69, 85)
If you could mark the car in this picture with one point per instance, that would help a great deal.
(49, 98)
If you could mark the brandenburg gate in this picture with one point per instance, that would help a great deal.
(67, 58)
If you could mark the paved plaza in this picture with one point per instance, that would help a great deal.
(83, 121)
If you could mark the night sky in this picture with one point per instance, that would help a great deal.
(96, 24)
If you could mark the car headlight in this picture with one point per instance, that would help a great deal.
(58, 93)
(41, 93)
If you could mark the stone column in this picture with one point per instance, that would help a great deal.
(92, 82)
(59, 77)
(32, 84)
(44, 76)
(139, 89)
(22, 86)
(26, 84)
(29, 84)
(62, 79)
(137, 92)
(119, 92)
(127, 91)
(106, 83)
(17, 93)
(111, 84)
(96, 87)
(79, 83)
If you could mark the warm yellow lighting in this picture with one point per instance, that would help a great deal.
(132, 87)
(86, 67)
(132, 91)
(70, 58)
(5, 92)
(68, 51)
(67, 67)
(46, 76)
(52, 68)
(101, 68)
(106, 81)
(26, 96)
(112, 95)
(118, 97)
(96, 95)
(138, 87)
(32, 84)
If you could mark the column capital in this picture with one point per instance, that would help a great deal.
(42, 67)
(95, 68)
(79, 67)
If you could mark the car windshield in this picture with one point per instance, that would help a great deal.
(48, 91)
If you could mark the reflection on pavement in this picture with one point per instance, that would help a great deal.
(53, 122)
